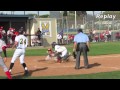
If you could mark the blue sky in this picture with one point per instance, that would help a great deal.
(40, 12)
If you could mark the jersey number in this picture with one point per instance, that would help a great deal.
(21, 41)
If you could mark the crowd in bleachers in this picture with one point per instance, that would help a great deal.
(65, 39)
(100, 37)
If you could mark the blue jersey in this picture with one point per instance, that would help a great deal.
(81, 37)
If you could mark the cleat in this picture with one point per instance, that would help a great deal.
(26, 73)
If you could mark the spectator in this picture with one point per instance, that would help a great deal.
(109, 35)
(96, 38)
(102, 36)
(59, 38)
(65, 37)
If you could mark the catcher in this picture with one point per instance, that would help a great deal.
(60, 52)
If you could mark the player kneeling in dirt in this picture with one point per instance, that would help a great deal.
(60, 52)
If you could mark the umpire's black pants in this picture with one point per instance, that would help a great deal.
(82, 47)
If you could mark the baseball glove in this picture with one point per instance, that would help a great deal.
(74, 55)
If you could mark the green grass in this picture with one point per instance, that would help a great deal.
(103, 75)
(100, 48)
(104, 48)
(96, 49)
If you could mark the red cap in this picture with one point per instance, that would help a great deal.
(49, 49)
(16, 33)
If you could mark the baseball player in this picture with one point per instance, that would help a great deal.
(61, 52)
(21, 43)
(2, 64)
(50, 54)
(9, 36)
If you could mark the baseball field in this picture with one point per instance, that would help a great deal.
(104, 61)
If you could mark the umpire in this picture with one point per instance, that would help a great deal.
(81, 44)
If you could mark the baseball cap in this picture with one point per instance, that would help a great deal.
(49, 49)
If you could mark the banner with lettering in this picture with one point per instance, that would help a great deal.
(45, 27)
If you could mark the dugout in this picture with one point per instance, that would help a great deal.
(47, 25)
(15, 21)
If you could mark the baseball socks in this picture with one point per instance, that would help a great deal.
(11, 66)
(59, 60)
(25, 68)
(8, 74)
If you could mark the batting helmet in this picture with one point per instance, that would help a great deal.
(21, 31)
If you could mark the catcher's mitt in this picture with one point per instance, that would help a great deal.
(74, 55)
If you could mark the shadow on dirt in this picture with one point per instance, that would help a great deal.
(92, 65)
(41, 60)
(29, 74)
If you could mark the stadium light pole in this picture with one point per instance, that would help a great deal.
(93, 20)
(24, 12)
(67, 25)
(75, 20)
(38, 13)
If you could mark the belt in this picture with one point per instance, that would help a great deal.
(19, 48)
(82, 43)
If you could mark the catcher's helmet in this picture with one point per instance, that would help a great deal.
(53, 44)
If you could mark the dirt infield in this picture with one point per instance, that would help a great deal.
(39, 67)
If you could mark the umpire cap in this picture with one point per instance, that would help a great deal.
(80, 30)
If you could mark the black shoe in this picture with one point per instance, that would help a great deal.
(87, 67)
(26, 73)
(77, 68)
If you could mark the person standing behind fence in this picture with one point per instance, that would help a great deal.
(109, 36)
(65, 37)
(81, 44)
(59, 38)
